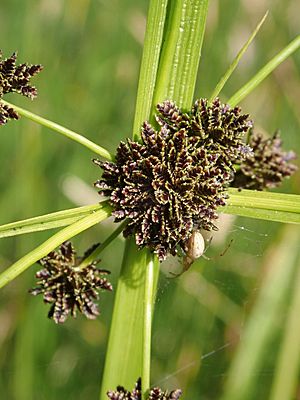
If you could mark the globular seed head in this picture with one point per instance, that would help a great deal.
(67, 287)
(175, 178)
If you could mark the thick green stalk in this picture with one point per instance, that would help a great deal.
(149, 65)
(41, 251)
(128, 354)
(129, 348)
(63, 131)
(151, 276)
(181, 52)
(125, 357)
(176, 79)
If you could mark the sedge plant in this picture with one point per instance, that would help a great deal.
(165, 113)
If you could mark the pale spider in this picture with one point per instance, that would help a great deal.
(195, 248)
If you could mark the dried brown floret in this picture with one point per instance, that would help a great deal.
(68, 287)
(15, 79)
(122, 394)
(158, 394)
(173, 181)
(267, 166)
(7, 113)
(220, 127)
(154, 394)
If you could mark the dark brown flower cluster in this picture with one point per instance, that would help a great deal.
(68, 287)
(136, 394)
(15, 78)
(267, 166)
(158, 394)
(173, 181)
(122, 394)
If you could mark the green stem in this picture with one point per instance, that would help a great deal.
(94, 255)
(181, 52)
(129, 347)
(63, 131)
(128, 353)
(124, 356)
(150, 286)
(235, 62)
(48, 221)
(49, 245)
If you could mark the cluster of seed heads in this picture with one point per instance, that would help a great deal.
(68, 287)
(136, 394)
(15, 79)
(172, 182)
(168, 186)
(268, 165)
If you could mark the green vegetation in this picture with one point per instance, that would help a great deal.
(89, 85)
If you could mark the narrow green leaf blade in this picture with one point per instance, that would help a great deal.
(261, 213)
(41, 251)
(264, 72)
(264, 200)
(63, 131)
(235, 62)
(150, 61)
(47, 221)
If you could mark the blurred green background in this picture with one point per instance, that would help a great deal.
(91, 51)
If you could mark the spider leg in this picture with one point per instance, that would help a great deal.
(221, 254)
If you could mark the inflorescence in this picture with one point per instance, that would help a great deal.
(67, 286)
(267, 166)
(173, 181)
(15, 79)
(136, 394)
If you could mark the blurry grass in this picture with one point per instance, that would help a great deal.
(91, 53)
(265, 323)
